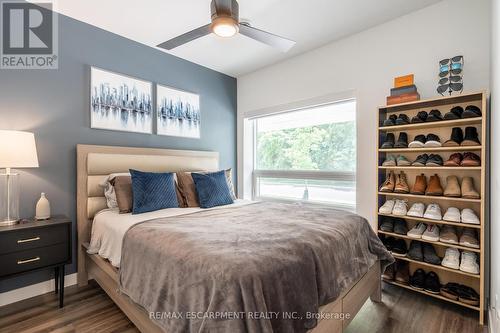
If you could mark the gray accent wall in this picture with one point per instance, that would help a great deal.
(54, 104)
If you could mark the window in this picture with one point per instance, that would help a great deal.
(309, 155)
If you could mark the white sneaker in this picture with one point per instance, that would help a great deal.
(431, 233)
(417, 231)
(469, 263)
(452, 215)
(416, 210)
(451, 258)
(400, 208)
(468, 216)
(387, 207)
(433, 212)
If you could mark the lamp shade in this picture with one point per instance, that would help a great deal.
(17, 150)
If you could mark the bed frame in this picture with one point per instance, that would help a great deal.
(95, 162)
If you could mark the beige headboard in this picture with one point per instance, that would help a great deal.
(94, 163)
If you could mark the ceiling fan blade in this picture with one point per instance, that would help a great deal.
(186, 38)
(270, 39)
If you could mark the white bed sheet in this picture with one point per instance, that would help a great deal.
(109, 228)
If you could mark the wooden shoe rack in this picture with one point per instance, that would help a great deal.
(443, 130)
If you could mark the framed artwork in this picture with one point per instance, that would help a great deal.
(120, 102)
(178, 112)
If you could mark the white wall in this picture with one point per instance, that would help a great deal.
(367, 62)
(494, 167)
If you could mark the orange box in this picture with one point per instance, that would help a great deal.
(405, 98)
(403, 81)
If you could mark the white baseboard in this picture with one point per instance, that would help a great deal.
(493, 321)
(41, 288)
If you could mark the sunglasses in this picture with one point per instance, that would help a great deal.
(459, 86)
(451, 78)
(454, 59)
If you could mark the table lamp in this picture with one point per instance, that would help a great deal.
(17, 150)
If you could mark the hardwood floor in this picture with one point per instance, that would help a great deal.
(89, 309)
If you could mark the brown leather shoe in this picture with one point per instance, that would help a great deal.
(434, 187)
(468, 190)
(452, 187)
(390, 182)
(402, 272)
(454, 160)
(402, 184)
(420, 185)
(471, 159)
(389, 272)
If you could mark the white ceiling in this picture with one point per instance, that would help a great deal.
(312, 23)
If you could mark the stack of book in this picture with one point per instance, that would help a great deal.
(404, 90)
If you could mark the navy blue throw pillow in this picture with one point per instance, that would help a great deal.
(152, 191)
(212, 189)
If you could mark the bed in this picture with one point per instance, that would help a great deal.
(96, 162)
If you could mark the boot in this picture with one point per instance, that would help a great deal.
(468, 190)
(471, 137)
(402, 184)
(457, 136)
(420, 185)
(452, 187)
(390, 182)
(434, 187)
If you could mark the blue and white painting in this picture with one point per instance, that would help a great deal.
(178, 112)
(119, 102)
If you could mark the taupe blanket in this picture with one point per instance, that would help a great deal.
(256, 268)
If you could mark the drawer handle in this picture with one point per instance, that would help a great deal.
(20, 262)
(19, 241)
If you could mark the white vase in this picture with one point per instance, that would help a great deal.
(42, 208)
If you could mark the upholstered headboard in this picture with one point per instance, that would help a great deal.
(94, 163)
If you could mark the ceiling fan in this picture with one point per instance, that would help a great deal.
(225, 23)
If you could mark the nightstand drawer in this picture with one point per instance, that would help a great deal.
(25, 239)
(22, 261)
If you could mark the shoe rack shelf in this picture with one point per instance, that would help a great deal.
(443, 130)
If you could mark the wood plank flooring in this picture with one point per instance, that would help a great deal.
(89, 309)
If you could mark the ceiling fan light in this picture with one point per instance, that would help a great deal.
(225, 27)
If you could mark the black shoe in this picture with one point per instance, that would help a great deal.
(387, 224)
(471, 137)
(432, 284)
(389, 141)
(455, 113)
(421, 160)
(471, 111)
(432, 140)
(415, 252)
(417, 280)
(456, 138)
(430, 255)
(434, 115)
(402, 119)
(389, 243)
(419, 118)
(400, 227)
(434, 160)
(418, 141)
(399, 247)
(391, 121)
(402, 141)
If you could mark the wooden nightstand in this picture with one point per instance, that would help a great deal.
(35, 245)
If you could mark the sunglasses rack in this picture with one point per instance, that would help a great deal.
(407, 166)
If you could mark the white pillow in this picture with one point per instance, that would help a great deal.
(109, 190)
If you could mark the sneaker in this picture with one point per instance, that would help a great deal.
(402, 141)
(387, 225)
(468, 263)
(450, 290)
(400, 208)
(468, 295)
(455, 113)
(419, 118)
(448, 235)
(417, 231)
(471, 111)
(401, 184)
(432, 284)
(416, 210)
(391, 121)
(402, 272)
(403, 161)
(390, 182)
(434, 115)
(417, 280)
(402, 119)
(452, 215)
(433, 212)
(416, 251)
(389, 272)
(400, 227)
(434, 160)
(387, 207)
(456, 138)
(469, 238)
(431, 233)
(468, 216)
(421, 160)
(432, 140)
(399, 248)
(388, 243)
(430, 255)
(418, 142)
(451, 258)
(389, 141)
(471, 137)
(389, 161)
